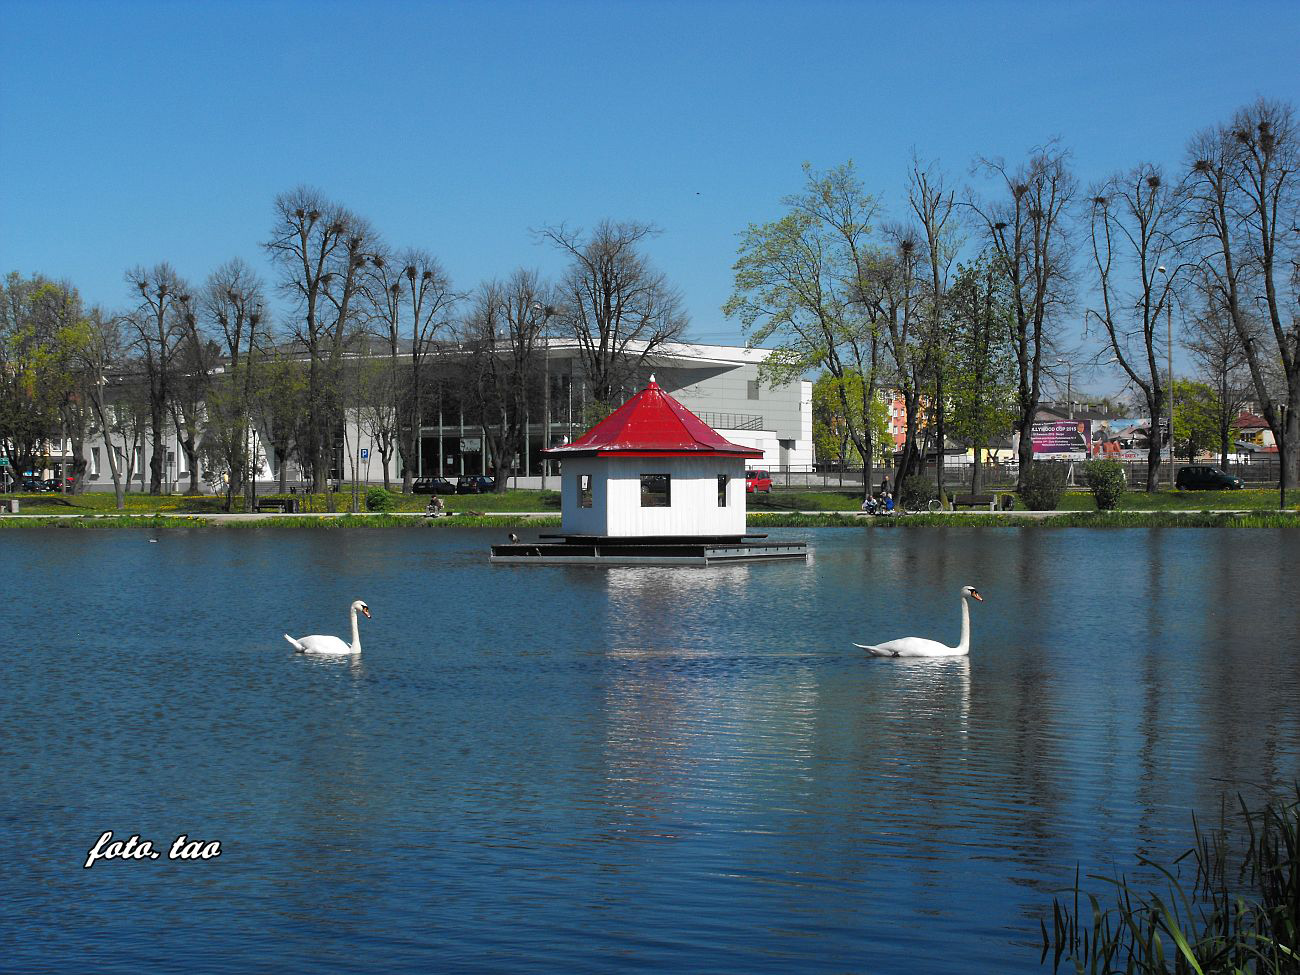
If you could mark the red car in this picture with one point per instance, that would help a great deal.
(758, 481)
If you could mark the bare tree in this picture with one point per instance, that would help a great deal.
(320, 249)
(893, 288)
(502, 335)
(1245, 209)
(376, 405)
(1133, 217)
(619, 308)
(1026, 229)
(1217, 349)
(233, 309)
(103, 353)
(410, 300)
(157, 325)
(933, 205)
(193, 363)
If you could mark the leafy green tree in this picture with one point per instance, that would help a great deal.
(831, 439)
(232, 304)
(981, 363)
(800, 283)
(280, 409)
(1196, 418)
(41, 327)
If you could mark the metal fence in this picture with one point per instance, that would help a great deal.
(732, 421)
(1258, 473)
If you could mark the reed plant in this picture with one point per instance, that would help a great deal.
(1237, 912)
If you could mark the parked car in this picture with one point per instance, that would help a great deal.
(31, 485)
(1203, 478)
(758, 481)
(475, 484)
(52, 483)
(432, 485)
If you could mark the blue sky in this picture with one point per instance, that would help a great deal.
(134, 132)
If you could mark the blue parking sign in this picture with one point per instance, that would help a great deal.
(365, 453)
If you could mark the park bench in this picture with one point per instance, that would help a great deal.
(282, 505)
(975, 501)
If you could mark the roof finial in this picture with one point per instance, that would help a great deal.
(652, 378)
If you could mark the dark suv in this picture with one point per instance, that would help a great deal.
(1205, 479)
(432, 485)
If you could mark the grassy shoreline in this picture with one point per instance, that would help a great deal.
(756, 520)
(1059, 519)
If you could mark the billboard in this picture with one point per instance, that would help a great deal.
(1061, 439)
(1128, 439)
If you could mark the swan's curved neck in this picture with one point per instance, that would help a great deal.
(356, 632)
(963, 647)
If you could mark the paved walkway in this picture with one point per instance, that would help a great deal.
(219, 517)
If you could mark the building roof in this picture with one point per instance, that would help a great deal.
(652, 424)
(1249, 421)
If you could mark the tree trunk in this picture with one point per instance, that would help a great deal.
(938, 424)
(79, 464)
(191, 450)
(1024, 452)
(1155, 403)
(157, 451)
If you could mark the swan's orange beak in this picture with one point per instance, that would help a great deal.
(973, 593)
(366, 610)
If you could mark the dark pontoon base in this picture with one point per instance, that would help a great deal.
(594, 550)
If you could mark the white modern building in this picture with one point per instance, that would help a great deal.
(719, 384)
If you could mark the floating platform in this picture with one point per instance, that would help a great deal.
(674, 550)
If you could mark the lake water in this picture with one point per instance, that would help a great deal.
(547, 769)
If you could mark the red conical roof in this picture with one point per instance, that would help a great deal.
(652, 424)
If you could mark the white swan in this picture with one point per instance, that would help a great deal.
(915, 646)
(332, 644)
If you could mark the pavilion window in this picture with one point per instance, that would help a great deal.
(722, 490)
(584, 490)
(656, 490)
